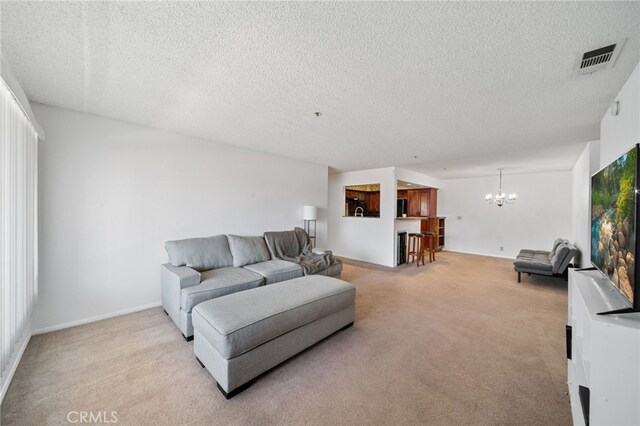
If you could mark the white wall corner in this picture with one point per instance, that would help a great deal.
(580, 200)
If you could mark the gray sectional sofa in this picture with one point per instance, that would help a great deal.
(542, 262)
(202, 269)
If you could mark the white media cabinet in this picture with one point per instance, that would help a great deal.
(605, 352)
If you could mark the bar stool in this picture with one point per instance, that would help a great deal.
(416, 249)
(430, 245)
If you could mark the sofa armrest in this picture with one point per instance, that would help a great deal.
(173, 279)
(180, 276)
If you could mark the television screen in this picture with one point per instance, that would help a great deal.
(613, 222)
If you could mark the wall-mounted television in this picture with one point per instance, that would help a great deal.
(614, 226)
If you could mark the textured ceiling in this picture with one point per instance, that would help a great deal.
(469, 87)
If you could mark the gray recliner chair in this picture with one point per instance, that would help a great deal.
(551, 263)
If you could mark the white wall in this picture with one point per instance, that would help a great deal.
(368, 239)
(415, 177)
(111, 194)
(618, 134)
(585, 166)
(541, 214)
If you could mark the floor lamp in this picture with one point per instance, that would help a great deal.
(310, 214)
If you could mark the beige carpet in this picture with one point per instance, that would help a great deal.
(455, 342)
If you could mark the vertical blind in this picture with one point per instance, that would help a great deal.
(18, 226)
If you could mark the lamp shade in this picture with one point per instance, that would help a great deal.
(309, 213)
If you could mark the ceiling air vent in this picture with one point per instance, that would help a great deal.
(597, 59)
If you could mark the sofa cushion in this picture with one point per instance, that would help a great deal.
(248, 250)
(532, 262)
(200, 254)
(216, 283)
(275, 310)
(556, 243)
(528, 252)
(561, 265)
(276, 270)
(558, 257)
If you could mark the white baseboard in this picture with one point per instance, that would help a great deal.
(361, 260)
(94, 319)
(13, 365)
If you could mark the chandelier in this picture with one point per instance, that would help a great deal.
(500, 198)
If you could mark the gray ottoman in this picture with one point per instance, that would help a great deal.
(240, 336)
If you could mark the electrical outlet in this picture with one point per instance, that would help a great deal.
(501, 248)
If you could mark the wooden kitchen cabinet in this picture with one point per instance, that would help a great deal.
(374, 202)
(362, 200)
(368, 200)
(433, 202)
(413, 207)
(440, 233)
(422, 202)
(351, 194)
(435, 225)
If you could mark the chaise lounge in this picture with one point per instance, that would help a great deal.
(551, 263)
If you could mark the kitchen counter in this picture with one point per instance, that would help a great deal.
(417, 218)
(364, 217)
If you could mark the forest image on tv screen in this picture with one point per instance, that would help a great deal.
(612, 221)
